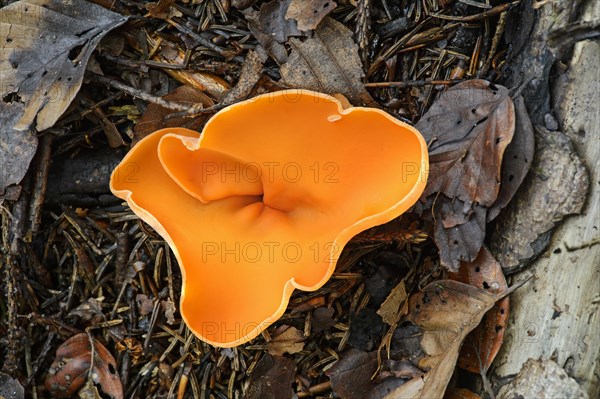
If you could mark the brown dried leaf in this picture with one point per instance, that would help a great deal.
(517, 159)
(322, 320)
(271, 378)
(290, 341)
(163, 9)
(170, 53)
(460, 393)
(484, 342)
(446, 311)
(47, 44)
(459, 232)
(351, 376)
(468, 129)
(328, 62)
(71, 369)
(308, 14)
(393, 306)
(154, 117)
(249, 76)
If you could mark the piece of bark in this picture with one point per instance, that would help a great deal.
(542, 379)
(556, 188)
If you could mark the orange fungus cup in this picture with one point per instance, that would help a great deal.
(264, 200)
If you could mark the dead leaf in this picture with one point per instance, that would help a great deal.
(17, 147)
(517, 159)
(272, 378)
(467, 128)
(275, 49)
(154, 117)
(352, 376)
(10, 388)
(289, 341)
(328, 62)
(458, 231)
(393, 306)
(249, 76)
(446, 311)
(163, 9)
(309, 13)
(89, 310)
(366, 328)
(273, 22)
(71, 368)
(322, 320)
(483, 343)
(460, 393)
(556, 186)
(47, 46)
(206, 82)
(145, 304)
(169, 309)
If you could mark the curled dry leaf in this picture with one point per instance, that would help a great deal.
(327, 62)
(271, 378)
(483, 343)
(309, 13)
(73, 367)
(467, 128)
(446, 311)
(170, 53)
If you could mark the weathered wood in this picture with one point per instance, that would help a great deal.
(557, 315)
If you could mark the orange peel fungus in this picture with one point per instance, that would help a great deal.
(264, 200)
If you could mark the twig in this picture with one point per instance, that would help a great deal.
(574, 32)
(42, 167)
(477, 17)
(143, 95)
(499, 31)
(583, 245)
(414, 83)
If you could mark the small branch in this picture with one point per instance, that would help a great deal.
(143, 95)
(477, 17)
(413, 83)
